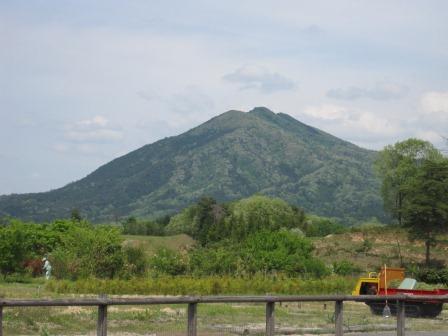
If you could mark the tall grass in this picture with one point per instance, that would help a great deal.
(212, 285)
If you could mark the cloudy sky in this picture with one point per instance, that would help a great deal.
(83, 82)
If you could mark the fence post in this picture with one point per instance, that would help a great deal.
(270, 319)
(338, 317)
(192, 319)
(401, 316)
(1, 320)
(101, 329)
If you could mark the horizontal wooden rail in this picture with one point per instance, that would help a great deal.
(103, 302)
(215, 299)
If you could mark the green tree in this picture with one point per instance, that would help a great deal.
(425, 211)
(260, 212)
(75, 215)
(13, 251)
(396, 165)
(204, 219)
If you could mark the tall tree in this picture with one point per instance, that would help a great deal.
(425, 211)
(204, 219)
(396, 165)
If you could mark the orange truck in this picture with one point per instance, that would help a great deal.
(379, 284)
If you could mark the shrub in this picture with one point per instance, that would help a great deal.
(281, 251)
(316, 226)
(433, 276)
(345, 267)
(366, 246)
(219, 259)
(86, 250)
(135, 262)
(168, 262)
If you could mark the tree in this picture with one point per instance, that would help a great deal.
(396, 165)
(13, 251)
(260, 212)
(205, 219)
(425, 211)
(75, 215)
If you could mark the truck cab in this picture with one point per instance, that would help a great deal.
(375, 282)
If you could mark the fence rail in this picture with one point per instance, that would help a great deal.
(103, 303)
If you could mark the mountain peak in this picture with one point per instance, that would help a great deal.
(261, 110)
(231, 156)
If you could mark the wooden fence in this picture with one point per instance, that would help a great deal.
(103, 303)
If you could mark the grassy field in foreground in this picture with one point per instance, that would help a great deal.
(213, 319)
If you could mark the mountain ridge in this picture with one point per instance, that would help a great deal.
(230, 156)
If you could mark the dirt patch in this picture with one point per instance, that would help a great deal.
(357, 237)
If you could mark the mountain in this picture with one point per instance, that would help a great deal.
(231, 156)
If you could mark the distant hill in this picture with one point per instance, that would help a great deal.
(231, 156)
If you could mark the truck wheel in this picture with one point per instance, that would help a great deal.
(431, 310)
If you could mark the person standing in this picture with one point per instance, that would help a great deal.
(47, 268)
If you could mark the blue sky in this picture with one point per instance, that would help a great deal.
(83, 82)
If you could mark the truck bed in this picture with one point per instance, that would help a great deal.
(396, 291)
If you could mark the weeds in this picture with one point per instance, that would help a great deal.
(212, 285)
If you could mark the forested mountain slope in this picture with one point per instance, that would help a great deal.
(231, 156)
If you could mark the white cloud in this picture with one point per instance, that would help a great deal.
(259, 78)
(431, 136)
(435, 103)
(381, 91)
(94, 135)
(351, 124)
(99, 121)
(327, 112)
(91, 130)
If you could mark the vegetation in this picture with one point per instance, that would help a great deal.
(229, 157)
(133, 226)
(76, 248)
(209, 222)
(415, 188)
(257, 235)
(316, 226)
(425, 211)
(210, 285)
(397, 165)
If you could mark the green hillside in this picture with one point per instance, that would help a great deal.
(231, 156)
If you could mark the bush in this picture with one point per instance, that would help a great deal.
(433, 276)
(135, 262)
(345, 267)
(281, 251)
(168, 262)
(219, 259)
(316, 226)
(86, 251)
